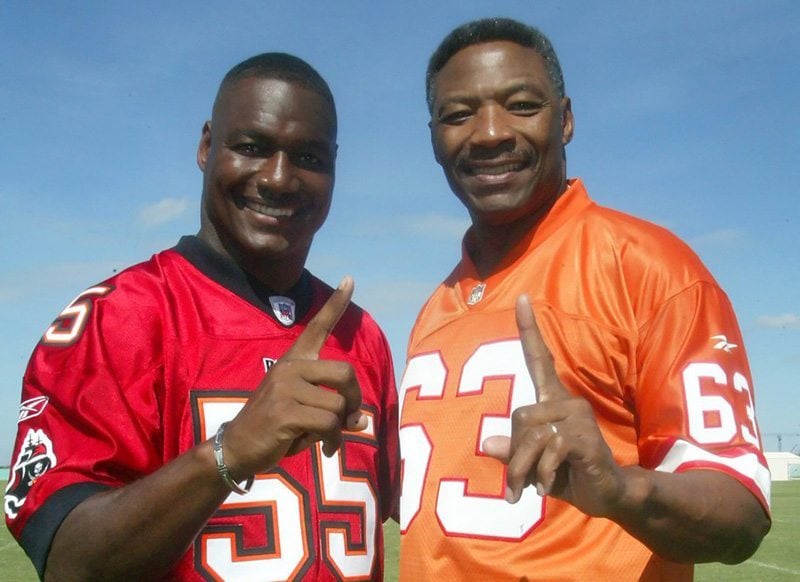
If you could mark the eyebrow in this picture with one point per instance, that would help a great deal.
(518, 86)
(510, 89)
(319, 144)
(515, 86)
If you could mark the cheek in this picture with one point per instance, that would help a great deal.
(445, 145)
(546, 133)
(229, 168)
(319, 185)
(324, 207)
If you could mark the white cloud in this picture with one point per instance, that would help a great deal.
(54, 280)
(9, 293)
(392, 297)
(163, 211)
(661, 90)
(430, 225)
(436, 225)
(722, 237)
(785, 321)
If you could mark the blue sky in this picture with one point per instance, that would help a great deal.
(686, 114)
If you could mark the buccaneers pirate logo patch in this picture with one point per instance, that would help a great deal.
(33, 461)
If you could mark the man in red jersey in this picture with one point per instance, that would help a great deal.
(577, 402)
(217, 412)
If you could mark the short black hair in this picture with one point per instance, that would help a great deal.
(281, 66)
(489, 30)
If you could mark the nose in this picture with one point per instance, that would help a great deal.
(491, 128)
(276, 174)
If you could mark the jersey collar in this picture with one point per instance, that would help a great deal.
(572, 202)
(227, 273)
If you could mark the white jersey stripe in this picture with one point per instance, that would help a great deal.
(747, 465)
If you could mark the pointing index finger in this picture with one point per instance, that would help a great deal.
(538, 358)
(310, 342)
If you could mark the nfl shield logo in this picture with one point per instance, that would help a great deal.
(476, 294)
(283, 308)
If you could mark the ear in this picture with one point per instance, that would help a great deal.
(567, 121)
(204, 145)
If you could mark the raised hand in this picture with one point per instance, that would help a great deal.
(302, 400)
(555, 443)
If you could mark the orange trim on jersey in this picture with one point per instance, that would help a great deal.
(369, 432)
(270, 506)
(203, 401)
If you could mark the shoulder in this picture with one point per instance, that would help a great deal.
(643, 248)
(123, 306)
(622, 228)
(152, 273)
(142, 287)
(640, 264)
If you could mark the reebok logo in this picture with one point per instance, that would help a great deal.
(32, 407)
(723, 344)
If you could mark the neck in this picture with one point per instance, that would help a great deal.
(276, 273)
(489, 244)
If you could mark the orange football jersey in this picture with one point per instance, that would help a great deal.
(637, 326)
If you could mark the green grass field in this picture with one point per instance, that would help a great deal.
(777, 559)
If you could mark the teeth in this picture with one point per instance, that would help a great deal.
(264, 207)
(495, 170)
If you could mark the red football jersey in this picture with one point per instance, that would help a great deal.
(637, 326)
(139, 369)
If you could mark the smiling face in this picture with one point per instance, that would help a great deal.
(267, 157)
(498, 130)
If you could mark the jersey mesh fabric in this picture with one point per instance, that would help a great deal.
(166, 355)
(632, 317)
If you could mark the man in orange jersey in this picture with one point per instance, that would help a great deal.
(577, 402)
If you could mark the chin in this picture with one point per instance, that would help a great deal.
(495, 205)
(260, 246)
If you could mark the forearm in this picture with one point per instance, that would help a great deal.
(139, 531)
(694, 516)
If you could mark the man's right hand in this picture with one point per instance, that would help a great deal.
(302, 400)
(556, 443)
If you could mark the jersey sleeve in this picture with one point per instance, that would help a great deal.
(89, 418)
(694, 391)
(389, 470)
